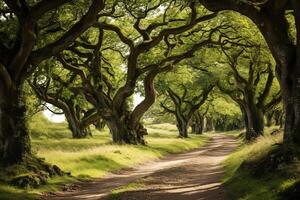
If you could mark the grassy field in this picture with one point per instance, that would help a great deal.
(242, 184)
(95, 156)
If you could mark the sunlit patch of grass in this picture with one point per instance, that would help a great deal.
(11, 193)
(164, 126)
(242, 184)
(42, 128)
(235, 133)
(114, 195)
(95, 156)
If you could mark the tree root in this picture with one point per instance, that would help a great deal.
(30, 173)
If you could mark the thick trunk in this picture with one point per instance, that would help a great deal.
(182, 126)
(287, 56)
(291, 94)
(255, 116)
(14, 135)
(255, 123)
(198, 124)
(245, 117)
(209, 124)
(198, 128)
(183, 130)
(118, 130)
(121, 132)
(77, 129)
(250, 133)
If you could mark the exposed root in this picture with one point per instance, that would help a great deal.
(32, 172)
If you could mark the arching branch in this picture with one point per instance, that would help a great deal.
(266, 91)
(77, 29)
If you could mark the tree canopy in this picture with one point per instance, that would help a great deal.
(208, 64)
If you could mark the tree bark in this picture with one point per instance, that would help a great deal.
(119, 127)
(119, 132)
(14, 134)
(198, 128)
(255, 116)
(255, 122)
(182, 127)
(198, 124)
(292, 110)
(287, 57)
(209, 124)
(182, 123)
(245, 117)
(78, 130)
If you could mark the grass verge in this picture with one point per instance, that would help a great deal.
(242, 183)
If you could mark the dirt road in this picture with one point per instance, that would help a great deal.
(195, 175)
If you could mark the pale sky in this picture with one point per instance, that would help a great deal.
(53, 117)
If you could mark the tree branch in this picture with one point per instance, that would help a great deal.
(44, 6)
(167, 109)
(5, 77)
(262, 98)
(77, 29)
(149, 99)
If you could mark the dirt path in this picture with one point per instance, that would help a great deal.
(195, 175)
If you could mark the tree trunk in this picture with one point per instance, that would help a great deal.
(245, 117)
(14, 135)
(255, 122)
(199, 128)
(209, 124)
(198, 124)
(183, 130)
(121, 132)
(194, 127)
(250, 133)
(291, 96)
(99, 124)
(275, 29)
(77, 129)
(182, 125)
(255, 116)
(269, 117)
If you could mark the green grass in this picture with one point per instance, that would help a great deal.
(95, 156)
(115, 194)
(242, 184)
